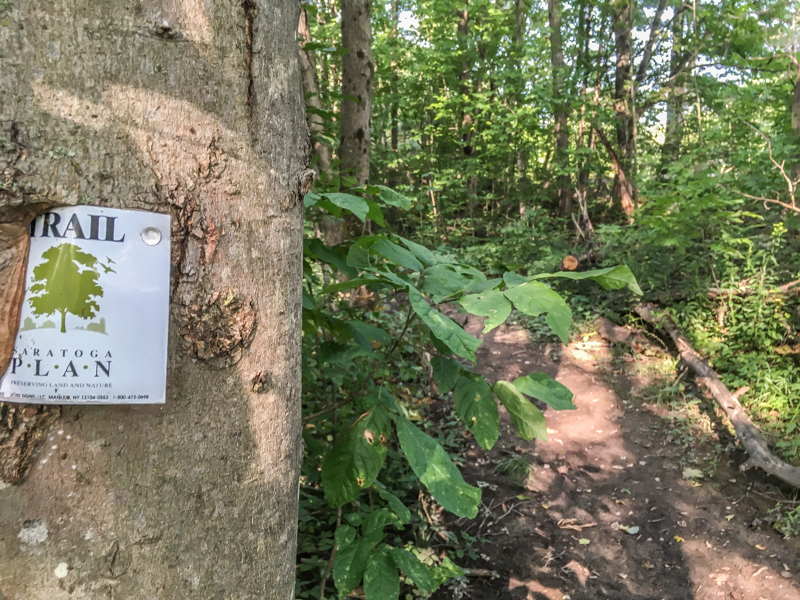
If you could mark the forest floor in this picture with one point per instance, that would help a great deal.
(607, 511)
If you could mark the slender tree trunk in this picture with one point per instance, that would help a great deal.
(796, 125)
(308, 69)
(561, 157)
(584, 64)
(171, 107)
(673, 134)
(622, 15)
(357, 73)
(467, 121)
(395, 101)
(625, 187)
(395, 125)
(519, 47)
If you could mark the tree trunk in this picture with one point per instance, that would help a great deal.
(467, 121)
(583, 223)
(14, 247)
(621, 15)
(673, 134)
(395, 101)
(796, 126)
(561, 157)
(519, 157)
(625, 187)
(357, 72)
(194, 109)
(308, 68)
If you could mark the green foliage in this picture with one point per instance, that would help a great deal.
(475, 406)
(360, 365)
(462, 147)
(549, 391)
(437, 472)
(356, 460)
(786, 519)
(528, 420)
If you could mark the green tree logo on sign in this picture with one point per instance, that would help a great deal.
(66, 282)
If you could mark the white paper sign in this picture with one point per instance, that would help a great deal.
(94, 320)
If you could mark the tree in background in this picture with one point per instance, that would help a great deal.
(357, 74)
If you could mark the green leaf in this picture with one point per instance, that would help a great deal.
(477, 287)
(475, 406)
(420, 251)
(364, 333)
(344, 536)
(375, 213)
(381, 579)
(528, 420)
(342, 286)
(354, 204)
(334, 256)
(308, 302)
(392, 198)
(447, 570)
(514, 280)
(436, 471)
(395, 504)
(397, 254)
(546, 389)
(310, 199)
(534, 298)
(447, 330)
(356, 460)
(612, 278)
(349, 565)
(445, 372)
(372, 529)
(443, 281)
(491, 304)
(415, 570)
(358, 256)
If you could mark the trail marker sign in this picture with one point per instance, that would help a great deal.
(94, 320)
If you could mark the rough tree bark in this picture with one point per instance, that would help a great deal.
(196, 109)
(561, 157)
(308, 68)
(357, 74)
(14, 246)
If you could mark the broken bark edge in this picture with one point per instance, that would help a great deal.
(748, 433)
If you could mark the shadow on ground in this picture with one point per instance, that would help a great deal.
(607, 513)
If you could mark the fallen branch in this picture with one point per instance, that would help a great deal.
(742, 289)
(747, 432)
(480, 573)
(787, 289)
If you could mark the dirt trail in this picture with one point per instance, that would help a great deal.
(616, 463)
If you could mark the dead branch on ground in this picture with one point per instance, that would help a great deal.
(746, 431)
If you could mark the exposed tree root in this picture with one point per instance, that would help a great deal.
(747, 432)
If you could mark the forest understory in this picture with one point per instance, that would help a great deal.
(630, 496)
